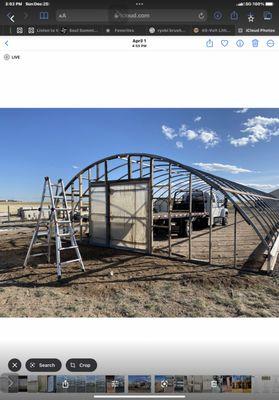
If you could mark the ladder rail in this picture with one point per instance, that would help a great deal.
(56, 228)
(35, 235)
(59, 205)
(73, 238)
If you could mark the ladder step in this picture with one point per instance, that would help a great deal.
(71, 261)
(68, 248)
(63, 225)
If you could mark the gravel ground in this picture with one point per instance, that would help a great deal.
(123, 284)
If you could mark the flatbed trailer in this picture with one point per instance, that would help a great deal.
(180, 214)
(180, 222)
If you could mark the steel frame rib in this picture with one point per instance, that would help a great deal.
(257, 208)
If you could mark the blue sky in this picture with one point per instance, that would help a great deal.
(241, 145)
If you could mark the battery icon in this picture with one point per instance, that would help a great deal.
(269, 4)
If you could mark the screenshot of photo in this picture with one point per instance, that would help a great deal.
(139, 200)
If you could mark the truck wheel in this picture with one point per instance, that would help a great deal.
(184, 229)
(204, 223)
(225, 221)
(159, 233)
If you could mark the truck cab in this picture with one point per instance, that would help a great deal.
(201, 204)
(219, 209)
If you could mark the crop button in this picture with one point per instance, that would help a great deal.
(81, 365)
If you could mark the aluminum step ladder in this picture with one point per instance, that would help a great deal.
(58, 227)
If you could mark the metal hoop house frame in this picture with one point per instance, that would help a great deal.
(258, 209)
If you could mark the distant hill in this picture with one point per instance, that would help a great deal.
(275, 193)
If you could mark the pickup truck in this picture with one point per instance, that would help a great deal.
(180, 212)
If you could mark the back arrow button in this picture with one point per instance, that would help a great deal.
(11, 17)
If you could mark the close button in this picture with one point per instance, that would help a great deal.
(14, 365)
(81, 365)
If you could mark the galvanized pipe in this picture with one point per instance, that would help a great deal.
(210, 226)
(190, 215)
(235, 239)
(169, 211)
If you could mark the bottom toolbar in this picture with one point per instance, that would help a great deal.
(139, 384)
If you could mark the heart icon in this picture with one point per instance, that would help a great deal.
(224, 43)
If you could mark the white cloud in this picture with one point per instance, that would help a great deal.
(191, 135)
(242, 111)
(239, 142)
(198, 119)
(169, 132)
(257, 129)
(179, 145)
(75, 167)
(208, 137)
(265, 121)
(188, 133)
(213, 167)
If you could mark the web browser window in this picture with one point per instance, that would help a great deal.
(139, 200)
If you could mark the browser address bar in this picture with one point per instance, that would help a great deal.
(129, 15)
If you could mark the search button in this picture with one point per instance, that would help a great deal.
(43, 365)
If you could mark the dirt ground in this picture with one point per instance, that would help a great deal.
(124, 284)
(222, 244)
